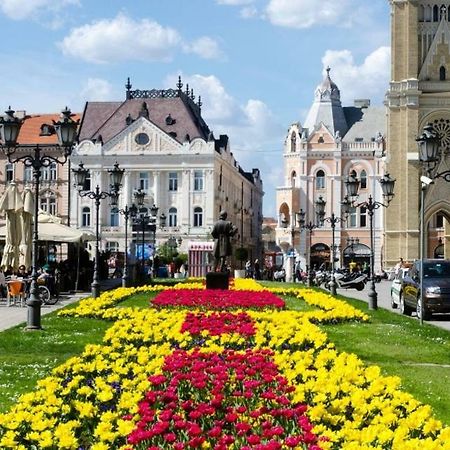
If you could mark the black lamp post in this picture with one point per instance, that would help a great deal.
(310, 226)
(126, 213)
(333, 220)
(387, 187)
(80, 176)
(430, 155)
(145, 220)
(37, 158)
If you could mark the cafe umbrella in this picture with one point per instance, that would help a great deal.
(11, 204)
(26, 219)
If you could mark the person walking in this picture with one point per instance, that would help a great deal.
(257, 270)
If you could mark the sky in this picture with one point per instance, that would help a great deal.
(255, 63)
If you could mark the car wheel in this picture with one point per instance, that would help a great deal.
(393, 304)
(404, 309)
(426, 313)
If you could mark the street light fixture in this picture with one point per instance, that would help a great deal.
(66, 132)
(333, 220)
(80, 177)
(145, 220)
(387, 186)
(429, 144)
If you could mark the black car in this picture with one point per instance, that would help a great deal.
(436, 285)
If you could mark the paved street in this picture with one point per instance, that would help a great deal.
(384, 301)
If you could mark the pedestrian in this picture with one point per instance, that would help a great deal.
(257, 270)
(398, 266)
(248, 269)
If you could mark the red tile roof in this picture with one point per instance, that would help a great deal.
(31, 129)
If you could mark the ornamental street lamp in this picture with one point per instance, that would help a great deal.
(333, 220)
(295, 220)
(37, 157)
(80, 176)
(126, 213)
(430, 155)
(146, 221)
(310, 226)
(387, 186)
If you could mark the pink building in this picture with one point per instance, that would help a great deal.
(333, 142)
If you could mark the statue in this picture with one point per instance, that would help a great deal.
(222, 232)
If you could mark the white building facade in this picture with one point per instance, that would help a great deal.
(168, 151)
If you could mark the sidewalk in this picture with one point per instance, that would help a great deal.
(15, 315)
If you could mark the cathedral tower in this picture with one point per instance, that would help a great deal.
(419, 94)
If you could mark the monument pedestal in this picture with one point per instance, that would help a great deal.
(217, 280)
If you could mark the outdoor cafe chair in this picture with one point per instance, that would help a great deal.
(15, 292)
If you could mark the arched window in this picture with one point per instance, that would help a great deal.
(442, 73)
(293, 141)
(435, 13)
(198, 217)
(363, 179)
(86, 217)
(320, 179)
(293, 178)
(172, 217)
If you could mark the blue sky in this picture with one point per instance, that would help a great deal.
(255, 63)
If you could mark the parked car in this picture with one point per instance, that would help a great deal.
(436, 284)
(397, 286)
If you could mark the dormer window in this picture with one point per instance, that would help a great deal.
(47, 130)
(170, 120)
(321, 140)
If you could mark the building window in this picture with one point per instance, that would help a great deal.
(143, 181)
(198, 217)
(172, 217)
(320, 179)
(293, 141)
(198, 180)
(173, 181)
(442, 74)
(293, 178)
(87, 182)
(439, 221)
(363, 179)
(48, 204)
(49, 173)
(112, 246)
(86, 217)
(114, 217)
(352, 217)
(28, 174)
(363, 217)
(9, 172)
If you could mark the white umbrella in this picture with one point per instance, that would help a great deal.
(26, 226)
(11, 203)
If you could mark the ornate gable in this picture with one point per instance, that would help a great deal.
(321, 135)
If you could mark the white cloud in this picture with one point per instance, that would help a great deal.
(307, 13)
(121, 39)
(204, 47)
(248, 12)
(97, 89)
(20, 9)
(368, 80)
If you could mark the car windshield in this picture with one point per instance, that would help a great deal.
(436, 269)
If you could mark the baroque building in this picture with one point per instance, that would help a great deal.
(333, 142)
(419, 94)
(167, 150)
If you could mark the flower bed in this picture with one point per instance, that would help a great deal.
(93, 400)
(218, 299)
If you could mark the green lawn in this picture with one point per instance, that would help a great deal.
(420, 355)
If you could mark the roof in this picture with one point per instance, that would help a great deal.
(30, 131)
(371, 124)
(108, 119)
